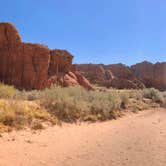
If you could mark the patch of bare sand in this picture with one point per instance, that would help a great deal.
(134, 140)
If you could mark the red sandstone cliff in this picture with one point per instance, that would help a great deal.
(141, 75)
(152, 75)
(116, 75)
(33, 66)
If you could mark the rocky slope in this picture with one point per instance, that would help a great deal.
(120, 76)
(34, 66)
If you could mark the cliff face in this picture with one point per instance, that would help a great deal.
(116, 75)
(95, 73)
(138, 76)
(152, 75)
(33, 66)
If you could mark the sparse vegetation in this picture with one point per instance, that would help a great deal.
(21, 109)
(7, 91)
(155, 95)
(18, 115)
(75, 103)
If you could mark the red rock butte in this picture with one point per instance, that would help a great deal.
(34, 66)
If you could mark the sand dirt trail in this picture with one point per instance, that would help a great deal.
(134, 140)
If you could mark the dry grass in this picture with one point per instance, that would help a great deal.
(20, 109)
(20, 114)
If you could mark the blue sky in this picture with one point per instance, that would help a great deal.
(94, 31)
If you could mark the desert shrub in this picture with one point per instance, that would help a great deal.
(137, 94)
(75, 103)
(164, 99)
(66, 110)
(139, 105)
(70, 104)
(124, 100)
(104, 106)
(7, 91)
(27, 95)
(37, 125)
(18, 115)
(135, 108)
(154, 94)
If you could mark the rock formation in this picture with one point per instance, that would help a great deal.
(34, 66)
(95, 73)
(116, 75)
(141, 75)
(152, 75)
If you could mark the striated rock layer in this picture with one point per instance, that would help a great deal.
(34, 66)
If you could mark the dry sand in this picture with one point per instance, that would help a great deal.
(134, 140)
